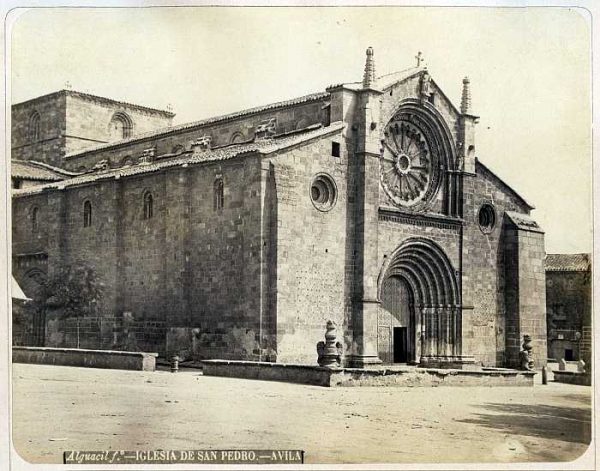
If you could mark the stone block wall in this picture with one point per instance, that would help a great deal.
(88, 118)
(222, 256)
(313, 283)
(70, 121)
(222, 132)
(568, 311)
(525, 294)
(176, 267)
(50, 147)
(483, 272)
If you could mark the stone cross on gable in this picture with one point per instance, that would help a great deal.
(419, 58)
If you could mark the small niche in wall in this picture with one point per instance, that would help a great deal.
(335, 149)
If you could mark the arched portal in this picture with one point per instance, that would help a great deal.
(419, 294)
(396, 323)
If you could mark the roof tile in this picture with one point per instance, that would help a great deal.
(568, 262)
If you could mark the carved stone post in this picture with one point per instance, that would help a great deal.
(330, 351)
(527, 353)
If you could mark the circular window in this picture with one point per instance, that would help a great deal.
(323, 192)
(487, 218)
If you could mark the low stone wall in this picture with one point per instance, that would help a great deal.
(395, 376)
(303, 374)
(87, 358)
(572, 377)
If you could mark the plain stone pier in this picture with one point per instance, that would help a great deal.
(113, 359)
(378, 376)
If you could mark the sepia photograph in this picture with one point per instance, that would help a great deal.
(298, 235)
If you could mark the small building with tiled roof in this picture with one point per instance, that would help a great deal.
(25, 174)
(569, 306)
(240, 236)
(569, 262)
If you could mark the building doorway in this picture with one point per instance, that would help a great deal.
(395, 330)
(400, 345)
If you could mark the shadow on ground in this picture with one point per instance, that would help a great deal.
(570, 424)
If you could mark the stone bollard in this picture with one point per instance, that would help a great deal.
(329, 352)
(562, 365)
(526, 355)
(581, 366)
(544, 375)
(174, 364)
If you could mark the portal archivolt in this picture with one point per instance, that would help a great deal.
(428, 290)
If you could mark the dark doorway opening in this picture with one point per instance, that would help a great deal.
(569, 355)
(400, 345)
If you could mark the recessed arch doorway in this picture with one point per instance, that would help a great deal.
(396, 323)
(420, 314)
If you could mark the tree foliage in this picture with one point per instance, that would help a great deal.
(75, 290)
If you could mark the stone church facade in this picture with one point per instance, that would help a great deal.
(244, 234)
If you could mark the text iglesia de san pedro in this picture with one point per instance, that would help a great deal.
(240, 236)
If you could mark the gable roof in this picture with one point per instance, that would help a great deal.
(505, 185)
(38, 171)
(384, 81)
(523, 221)
(101, 99)
(196, 124)
(567, 262)
(261, 146)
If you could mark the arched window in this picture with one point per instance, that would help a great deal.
(237, 138)
(34, 219)
(87, 214)
(218, 194)
(120, 126)
(148, 205)
(34, 126)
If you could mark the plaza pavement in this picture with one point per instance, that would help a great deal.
(58, 408)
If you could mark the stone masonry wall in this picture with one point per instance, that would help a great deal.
(525, 294)
(50, 147)
(87, 120)
(483, 284)
(568, 311)
(175, 268)
(221, 133)
(312, 280)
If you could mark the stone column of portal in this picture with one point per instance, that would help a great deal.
(368, 145)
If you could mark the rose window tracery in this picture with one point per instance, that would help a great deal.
(407, 163)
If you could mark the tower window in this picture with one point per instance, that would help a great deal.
(34, 219)
(218, 194)
(148, 205)
(120, 126)
(34, 126)
(87, 214)
(335, 149)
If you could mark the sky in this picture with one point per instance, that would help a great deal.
(530, 73)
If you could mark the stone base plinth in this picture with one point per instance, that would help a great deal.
(113, 359)
(572, 377)
(363, 361)
(456, 362)
(374, 376)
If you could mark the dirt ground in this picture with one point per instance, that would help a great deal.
(59, 408)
